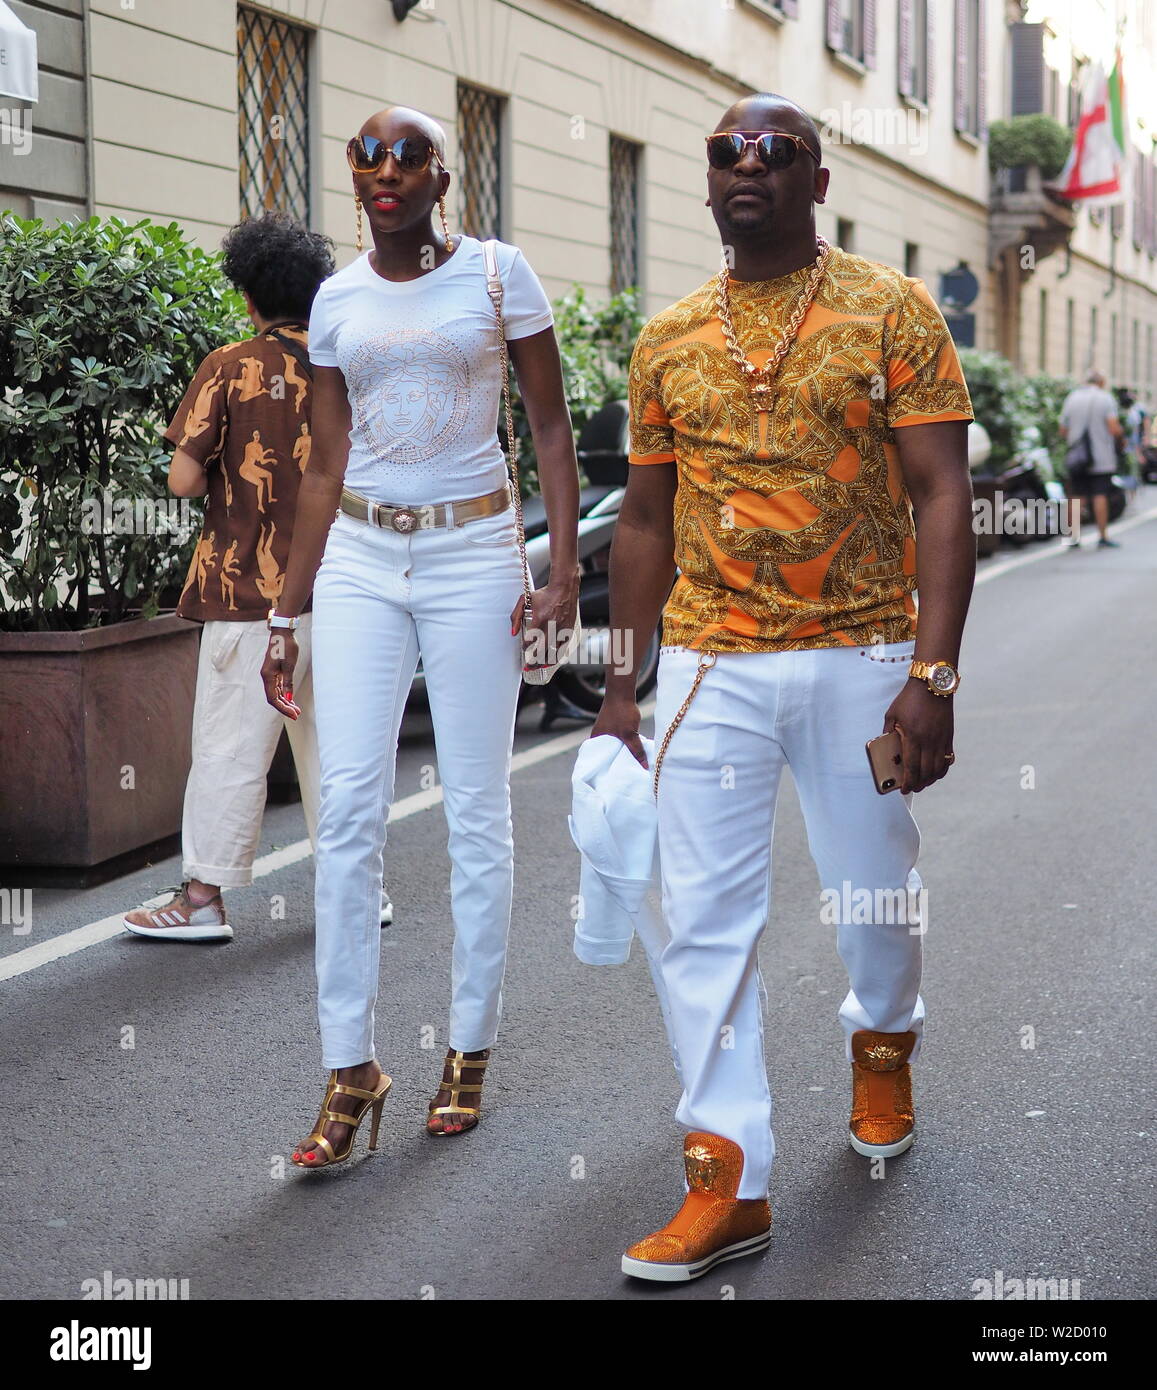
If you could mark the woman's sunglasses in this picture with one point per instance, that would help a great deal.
(367, 154)
(774, 149)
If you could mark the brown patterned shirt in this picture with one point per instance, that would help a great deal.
(793, 527)
(245, 419)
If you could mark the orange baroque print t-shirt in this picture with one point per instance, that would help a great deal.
(246, 420)
(793, 527)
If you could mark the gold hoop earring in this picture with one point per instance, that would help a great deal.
(445, 224)
(358, 206)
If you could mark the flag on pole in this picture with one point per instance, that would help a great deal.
(1095, 169)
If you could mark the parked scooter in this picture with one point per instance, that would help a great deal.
(1027, 489)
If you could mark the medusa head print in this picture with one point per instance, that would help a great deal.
(409, 393)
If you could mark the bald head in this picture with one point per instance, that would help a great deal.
(768, 111)
(396, 121)
(1095, 378)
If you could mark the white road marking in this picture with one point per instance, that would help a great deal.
(68, 943)
(1042, 551)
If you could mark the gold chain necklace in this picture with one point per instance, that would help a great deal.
(760, 379)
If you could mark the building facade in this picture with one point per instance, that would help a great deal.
(576, 130)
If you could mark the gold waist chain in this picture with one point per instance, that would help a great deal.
(706, 661)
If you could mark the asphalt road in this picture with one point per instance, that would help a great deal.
(167, 1157)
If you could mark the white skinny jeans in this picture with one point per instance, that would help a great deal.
(753, 714)
(379, 600)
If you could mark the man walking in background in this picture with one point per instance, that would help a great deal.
(786, 418)
(1090, 427)
(241, 440)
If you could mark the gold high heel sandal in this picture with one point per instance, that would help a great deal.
(456, 1086)
(374, 1101)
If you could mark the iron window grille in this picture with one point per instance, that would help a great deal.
(480, 161)
(273, 115)
(624, 162)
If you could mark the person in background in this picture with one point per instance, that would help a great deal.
(1089, 413)
(241, 439)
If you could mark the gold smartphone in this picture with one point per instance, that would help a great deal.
(886, 761)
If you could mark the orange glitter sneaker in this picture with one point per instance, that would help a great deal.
(883, 1121)
(712, 1225)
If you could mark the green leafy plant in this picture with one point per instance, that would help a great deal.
(1032, 139)
(1044, 396)
(102, 325)
(999, 401)
(595, 342)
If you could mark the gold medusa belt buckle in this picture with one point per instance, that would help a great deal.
(404, 519)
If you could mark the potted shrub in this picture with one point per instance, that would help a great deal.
(1026, 142)
(102, 324)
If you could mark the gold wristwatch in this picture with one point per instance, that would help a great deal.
(941, 677)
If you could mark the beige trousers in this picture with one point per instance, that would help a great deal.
(235, 734)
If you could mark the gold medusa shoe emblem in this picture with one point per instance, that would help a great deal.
(883, 1052)
(702, 1167)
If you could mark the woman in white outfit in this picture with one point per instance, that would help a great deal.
(421, 558)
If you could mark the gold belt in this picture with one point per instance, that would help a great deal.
(423, 518)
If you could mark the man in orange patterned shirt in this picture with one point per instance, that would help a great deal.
(787, 419)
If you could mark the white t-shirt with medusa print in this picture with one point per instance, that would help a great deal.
(421, 363)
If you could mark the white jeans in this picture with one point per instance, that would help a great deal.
(380, 599)
(235, 733)
(753, 713)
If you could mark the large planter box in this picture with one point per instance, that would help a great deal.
(94, 741)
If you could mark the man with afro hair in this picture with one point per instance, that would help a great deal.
(241, 440)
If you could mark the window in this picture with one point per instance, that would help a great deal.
(845, 234)
(1140, 197)
(1149, 356)
(915, 57)
(624, 162)
(1027, 69)
(970, 73)
(1070, 340)
(911, 259)
(851, 29)
(1043, 333)
(1151, 204)
(273, 115)
(1113, 349)
(480, 120)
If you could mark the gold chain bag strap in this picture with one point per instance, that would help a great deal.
(541, 674)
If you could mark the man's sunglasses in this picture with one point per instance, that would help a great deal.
(367, 154)
(774, 149)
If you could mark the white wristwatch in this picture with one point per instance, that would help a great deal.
(276, 620)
